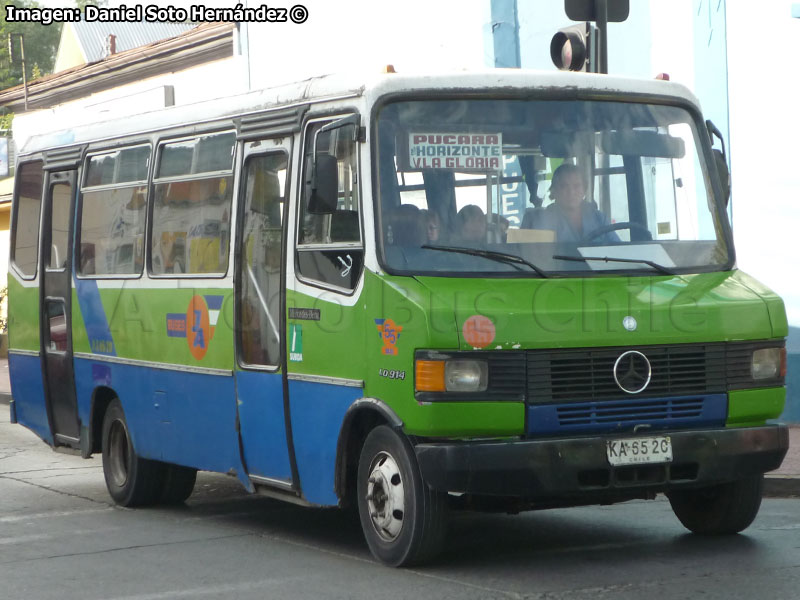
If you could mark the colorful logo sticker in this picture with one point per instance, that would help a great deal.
(390, 333)
(296, 343)
(197, 324)
(176, 325)
(478, 331)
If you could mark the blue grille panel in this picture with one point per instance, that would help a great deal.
(626, 413)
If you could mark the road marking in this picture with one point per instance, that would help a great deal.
(21, 539)
(51, 514)
(215, 591)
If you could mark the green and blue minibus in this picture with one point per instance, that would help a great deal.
(379, 293)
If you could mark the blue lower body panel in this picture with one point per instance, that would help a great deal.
(318, 411)
(175, 416)
(262, 424)
(27, 390)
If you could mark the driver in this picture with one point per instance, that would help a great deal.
(572, 217)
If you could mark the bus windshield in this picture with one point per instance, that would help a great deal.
(543, 187)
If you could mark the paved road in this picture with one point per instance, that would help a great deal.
(61, 538)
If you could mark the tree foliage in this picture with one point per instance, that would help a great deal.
(41, 44)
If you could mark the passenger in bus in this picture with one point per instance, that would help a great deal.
(571, 216)
(433, 226)
(408, 226)
(470, 225)
(531, 213)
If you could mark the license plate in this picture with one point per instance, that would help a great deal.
(636, 451)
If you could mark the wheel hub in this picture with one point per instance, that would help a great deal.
(385, 497)
(118, 453)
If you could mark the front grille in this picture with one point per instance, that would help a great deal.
(637, 411)
(625, 414)
(588, 374)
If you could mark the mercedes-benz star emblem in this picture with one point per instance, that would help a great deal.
(629, 323)
(632, 372)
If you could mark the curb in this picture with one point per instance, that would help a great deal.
(781, 486)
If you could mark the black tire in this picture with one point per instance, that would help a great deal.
(719, 510)
(130, 479)
(388, 475)
(178, 484)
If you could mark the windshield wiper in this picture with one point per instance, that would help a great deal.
(649, 263)
(490, 254)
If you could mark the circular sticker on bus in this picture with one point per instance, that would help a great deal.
(478, 331)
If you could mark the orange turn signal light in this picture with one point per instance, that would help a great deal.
(430, 376)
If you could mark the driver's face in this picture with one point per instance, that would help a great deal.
(570, 190)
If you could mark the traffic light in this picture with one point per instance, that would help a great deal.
(570, 47)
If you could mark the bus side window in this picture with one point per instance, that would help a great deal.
(261, 245)
(27, 206)
(112, 221)
(340, 230)
(193, 188)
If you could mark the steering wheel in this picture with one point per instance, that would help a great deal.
(616, 227)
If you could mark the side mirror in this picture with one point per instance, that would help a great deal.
(721, 161)
(724, 174)
(325, 189)
(324, 171)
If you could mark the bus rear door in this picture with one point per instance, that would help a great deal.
(55, 306)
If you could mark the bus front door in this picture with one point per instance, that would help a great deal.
(55, 308)
(260, 293)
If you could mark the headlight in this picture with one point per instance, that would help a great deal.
(768, 363)
(452, 375)
(466, 375)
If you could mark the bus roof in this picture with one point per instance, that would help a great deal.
(331, 87)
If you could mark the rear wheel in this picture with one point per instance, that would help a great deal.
(178, 484)
(719, 510)
(130, 479)
(404, 522)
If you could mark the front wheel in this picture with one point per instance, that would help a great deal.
(723, 509)
(404, 522)
(130, 479)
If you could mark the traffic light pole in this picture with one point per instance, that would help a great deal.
(601, 15)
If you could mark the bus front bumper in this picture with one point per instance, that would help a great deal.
(546, 468)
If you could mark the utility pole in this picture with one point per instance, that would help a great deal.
(13, 57)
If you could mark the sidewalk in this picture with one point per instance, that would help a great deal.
(781, 483)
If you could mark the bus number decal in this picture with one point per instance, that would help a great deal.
(392, 374)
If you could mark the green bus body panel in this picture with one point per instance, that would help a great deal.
(138, 322)
(468, 419)
(23, 316)
(430, 313)
(749, 408)
(332, 346)
(553, 313)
